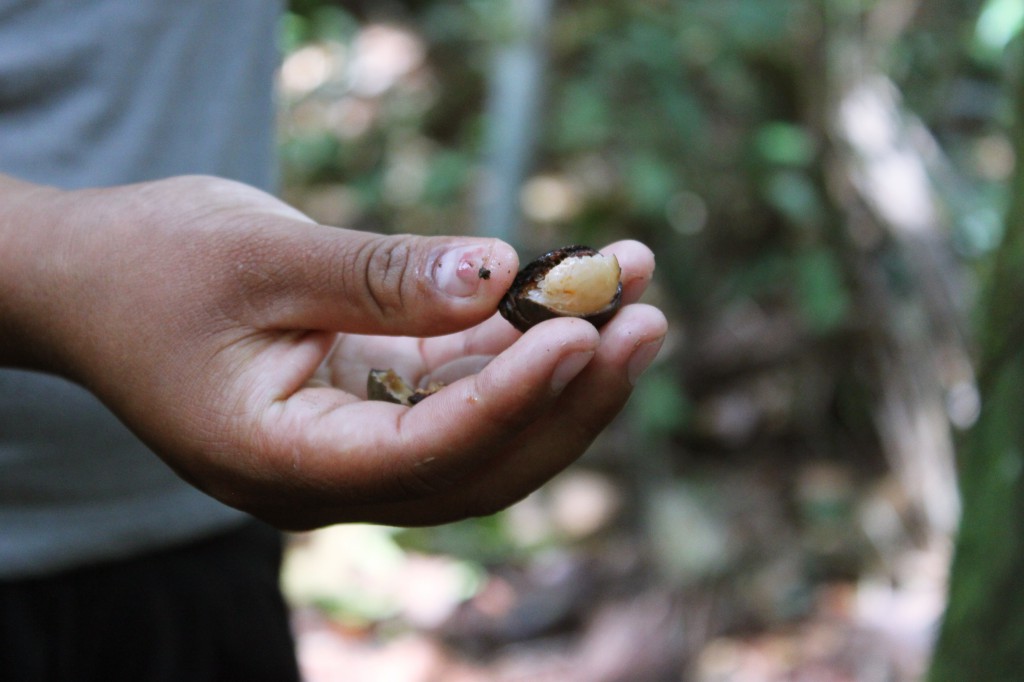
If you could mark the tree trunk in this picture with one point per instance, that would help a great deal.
(982, 637)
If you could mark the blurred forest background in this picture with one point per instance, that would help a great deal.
(826, 185)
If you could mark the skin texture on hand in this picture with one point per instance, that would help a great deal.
(234, 336)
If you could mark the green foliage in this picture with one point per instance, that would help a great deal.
(312, 21)
(824, 302)
(659, 407)
(706, 129)
(581, 120)
(999, 22)
(784, 144)
(484, 540)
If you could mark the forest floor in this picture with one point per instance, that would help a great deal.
(728, 586)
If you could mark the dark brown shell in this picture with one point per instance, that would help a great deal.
(524, 313)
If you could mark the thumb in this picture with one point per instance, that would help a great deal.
(319, 277)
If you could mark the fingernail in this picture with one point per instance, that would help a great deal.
(568, 368)
(641, 359)
(458, 272)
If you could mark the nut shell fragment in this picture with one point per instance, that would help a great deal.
(387, 385)
(574, 281)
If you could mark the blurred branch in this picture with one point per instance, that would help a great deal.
(513, 108)
(884, 159)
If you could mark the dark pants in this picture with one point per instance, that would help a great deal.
(207, 611)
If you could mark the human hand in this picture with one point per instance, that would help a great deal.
(234, 337)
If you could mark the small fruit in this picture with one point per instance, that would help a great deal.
(574, 281)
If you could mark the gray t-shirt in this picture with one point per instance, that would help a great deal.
(104, 92)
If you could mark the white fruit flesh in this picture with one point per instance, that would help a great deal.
(579, 285)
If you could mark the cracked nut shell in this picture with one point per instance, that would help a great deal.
(573, 281)
(387, 385)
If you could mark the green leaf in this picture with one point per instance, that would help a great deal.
(793, 195)
(823, 298)
(659, 406)
(651, 183)
(784, 144)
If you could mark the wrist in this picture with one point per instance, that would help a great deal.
(30, 274)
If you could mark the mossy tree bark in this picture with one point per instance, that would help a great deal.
(982, 637)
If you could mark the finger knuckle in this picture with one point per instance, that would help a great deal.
(384, 266)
